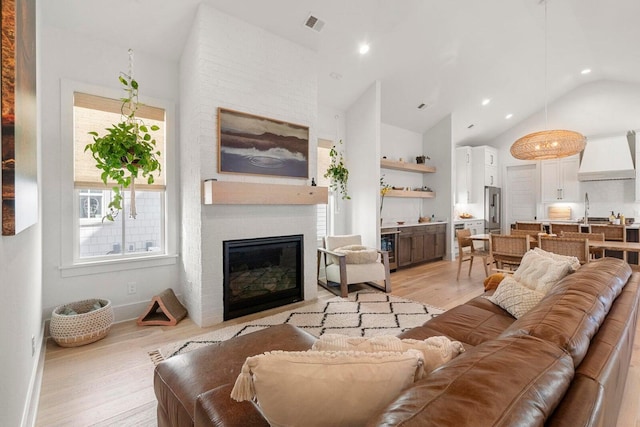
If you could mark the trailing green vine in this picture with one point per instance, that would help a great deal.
(127, 150)
(337, 173)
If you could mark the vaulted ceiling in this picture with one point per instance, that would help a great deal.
(449, 55)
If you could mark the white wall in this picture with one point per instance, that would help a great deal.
(21, 319)
(232, 64)
(437, 144)
(21, 296)
(331, 126)
(363, 161)
(67, 57)
(397, 143)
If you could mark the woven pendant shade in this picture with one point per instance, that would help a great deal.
(548, 144)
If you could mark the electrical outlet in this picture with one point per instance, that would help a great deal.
(33, 345)
(131, 288)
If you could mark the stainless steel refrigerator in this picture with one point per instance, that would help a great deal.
(492, 209)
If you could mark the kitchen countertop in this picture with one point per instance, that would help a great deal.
(411, 224)
(579, 221)
(461, 220)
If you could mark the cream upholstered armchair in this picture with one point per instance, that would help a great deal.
(347, 262)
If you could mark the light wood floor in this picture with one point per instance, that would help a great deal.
(110, 382)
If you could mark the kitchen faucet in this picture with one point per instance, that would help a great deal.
(586, 208)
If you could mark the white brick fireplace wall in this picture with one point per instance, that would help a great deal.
(232, 64)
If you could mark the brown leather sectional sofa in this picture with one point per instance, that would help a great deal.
(564, 363)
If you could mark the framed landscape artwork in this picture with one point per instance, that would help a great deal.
(19, 121)
(257, 145)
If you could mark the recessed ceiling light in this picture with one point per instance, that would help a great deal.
(364, 48)
(585, 71)
(508, 116)
(485, 101)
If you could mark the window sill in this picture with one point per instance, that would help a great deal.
(109, 266)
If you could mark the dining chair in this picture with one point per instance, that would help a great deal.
(559, 227)
(526, 225)
(508, 250)
(467, 252)
(578, 248)
(595, 237)
(533, 236)
(612, 232)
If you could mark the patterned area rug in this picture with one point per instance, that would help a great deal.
(361, 314)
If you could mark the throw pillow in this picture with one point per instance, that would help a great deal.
(573, 261)
(540, 272)
(436, 350)
(493, 281)
(358, 254)
(311, 388)
(514, 297)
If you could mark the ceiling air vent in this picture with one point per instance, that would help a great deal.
(314, 23)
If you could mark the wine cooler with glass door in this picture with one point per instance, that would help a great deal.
(389, 242)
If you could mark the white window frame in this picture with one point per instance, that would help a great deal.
(325, 143)
(97, 219)
(70, 262)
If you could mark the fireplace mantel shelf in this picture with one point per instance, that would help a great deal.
(250, 193)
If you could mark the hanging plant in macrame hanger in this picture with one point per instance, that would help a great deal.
(127, 150)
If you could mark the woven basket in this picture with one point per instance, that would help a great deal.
(82, 328)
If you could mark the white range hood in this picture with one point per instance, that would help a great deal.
(608, 159)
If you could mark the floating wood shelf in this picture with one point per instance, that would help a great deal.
(404, 166)
(248, 193)
(414, 194)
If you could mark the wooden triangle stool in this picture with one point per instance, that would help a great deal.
(163, 310)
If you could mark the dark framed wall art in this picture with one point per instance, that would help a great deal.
(19, 119)
(257, 145)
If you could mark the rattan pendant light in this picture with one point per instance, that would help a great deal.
(548, 144)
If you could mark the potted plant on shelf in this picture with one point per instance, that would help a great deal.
(126, 151)
(337, 173)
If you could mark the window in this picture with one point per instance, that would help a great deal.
(323, 213)
(125, 237)
(91, 204)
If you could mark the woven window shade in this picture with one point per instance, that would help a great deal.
(549, 144)
(96, 113)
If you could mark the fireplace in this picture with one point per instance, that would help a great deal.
(262, 273)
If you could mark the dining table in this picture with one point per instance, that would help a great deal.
(611, 245)
(614, 245)
(483, 237)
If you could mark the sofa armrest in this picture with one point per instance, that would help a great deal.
(179, 380)
(216, 408)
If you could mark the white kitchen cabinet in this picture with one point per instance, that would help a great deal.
(476, 226)
(560, 179)
(464, 173)
(485, 169)
(490, 156)
(491, 176)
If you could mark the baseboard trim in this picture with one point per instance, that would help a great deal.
(30, 413)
